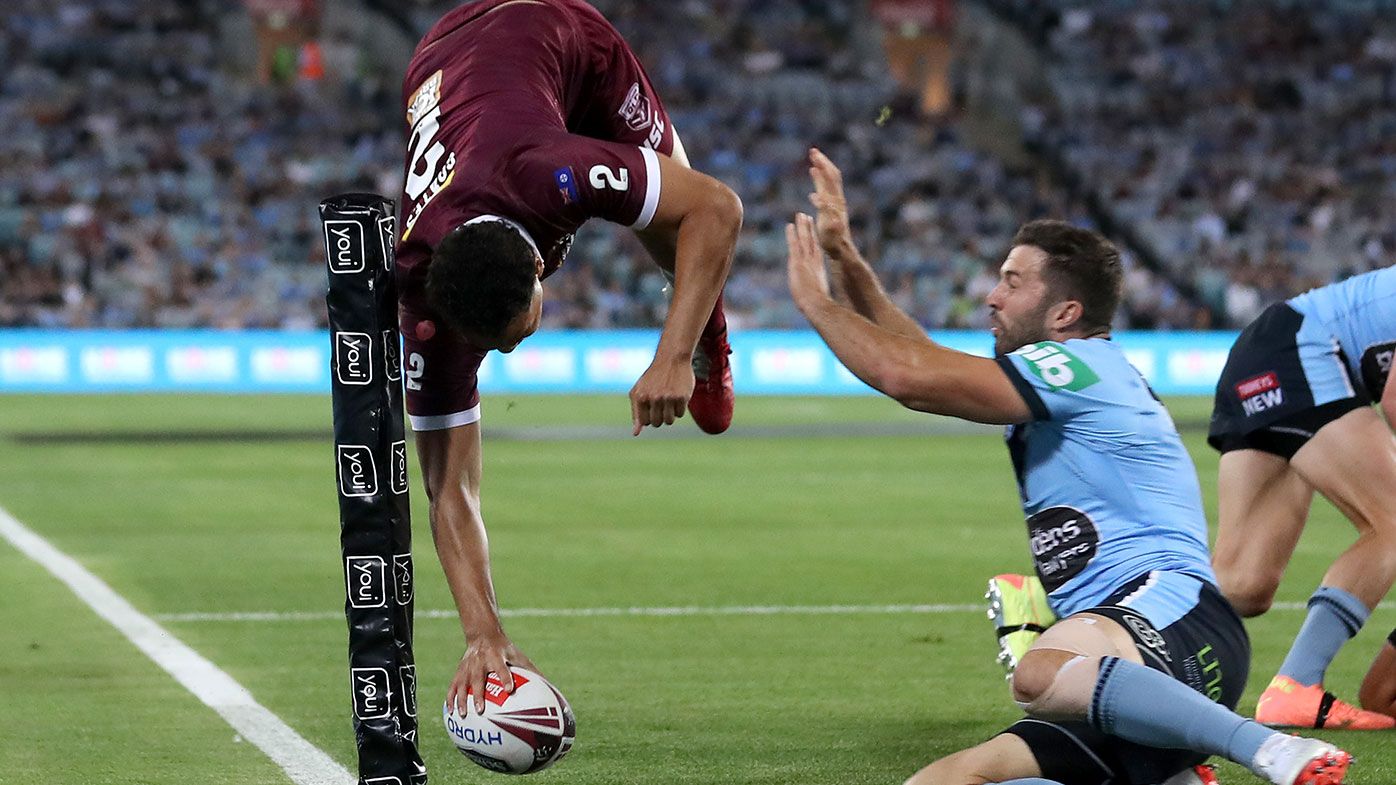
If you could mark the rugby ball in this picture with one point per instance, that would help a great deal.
(521, 732)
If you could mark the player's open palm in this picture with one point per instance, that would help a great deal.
(485, 655)
(809, 280)
(831, 209)
(661, 394)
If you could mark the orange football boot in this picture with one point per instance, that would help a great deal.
(1288, 704)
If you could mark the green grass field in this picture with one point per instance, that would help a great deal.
(794, 507)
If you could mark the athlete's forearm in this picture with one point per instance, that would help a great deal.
(883, 359)
(463, 548)
(703, 249)
(864, 292)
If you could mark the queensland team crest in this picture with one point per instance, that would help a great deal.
(636, 109)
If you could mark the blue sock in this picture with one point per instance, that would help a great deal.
(1154, 709)
(1027, 781)
(1334, 617)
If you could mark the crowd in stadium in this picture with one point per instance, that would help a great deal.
(1251, 146)
(144, 182)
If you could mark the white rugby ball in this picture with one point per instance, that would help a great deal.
(521, 732)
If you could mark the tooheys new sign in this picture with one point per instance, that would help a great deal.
(371, 466)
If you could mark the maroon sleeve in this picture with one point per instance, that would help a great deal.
(589, 178)
(441, 371)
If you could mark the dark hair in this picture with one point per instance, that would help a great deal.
(1081, 265)
(481, 276)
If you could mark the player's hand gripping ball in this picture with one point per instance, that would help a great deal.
(520, 732)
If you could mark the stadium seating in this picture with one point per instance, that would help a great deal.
(150, 181)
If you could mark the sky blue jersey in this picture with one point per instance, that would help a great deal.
(1109, 491)
(1360, 313)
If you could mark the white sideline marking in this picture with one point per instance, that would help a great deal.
(729, 610)
(692, 610)
(302, 761)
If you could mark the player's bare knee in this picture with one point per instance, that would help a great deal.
(1249, 594)
(1034, 675)
(728, 205)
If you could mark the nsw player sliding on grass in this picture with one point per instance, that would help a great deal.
(1294, 415)
(1138, 680)
(528, 117)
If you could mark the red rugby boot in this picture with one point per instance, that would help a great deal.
(711, 404)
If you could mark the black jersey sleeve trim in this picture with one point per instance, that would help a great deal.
(1030, 396)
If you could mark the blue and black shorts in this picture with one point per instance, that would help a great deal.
(1284, 379)
(1206, 649)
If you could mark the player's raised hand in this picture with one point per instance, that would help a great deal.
(484, 655)
(661, 394)
(831, 209)
(809, 281)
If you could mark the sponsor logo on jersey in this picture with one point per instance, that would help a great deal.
(1145, 634)
(371, 693)
(1063, 542)
(1057, 367)
(566, 181)
(430, 168)
(363, 576)
(1376, 367)
(424, 99)
(1260, 393)
(1211, 671)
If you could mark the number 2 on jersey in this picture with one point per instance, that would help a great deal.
(602, 176)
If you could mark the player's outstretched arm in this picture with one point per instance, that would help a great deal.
(917, 372)
(699, 218)
(853, 277)
(1378, 690)
(450, 461)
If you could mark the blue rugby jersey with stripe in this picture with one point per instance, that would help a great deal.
(1109, 491)
(1360, 314)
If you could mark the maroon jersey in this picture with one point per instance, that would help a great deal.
(532, 110)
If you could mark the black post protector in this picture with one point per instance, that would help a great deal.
(371, 454)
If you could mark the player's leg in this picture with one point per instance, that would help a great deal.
(1262, 505)
(1082, 670)
(1352, 462)
(1004, 758)
(1378, 691)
